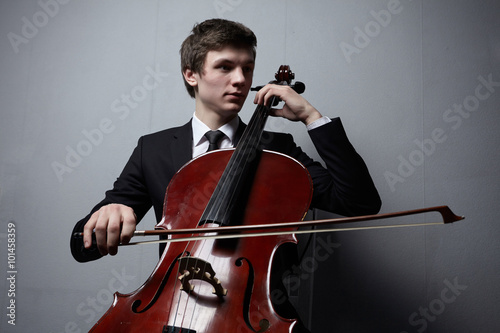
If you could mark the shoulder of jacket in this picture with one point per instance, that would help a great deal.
(166, 133)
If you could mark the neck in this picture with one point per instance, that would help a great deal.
(214, 120)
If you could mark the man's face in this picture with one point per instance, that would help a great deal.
(223, 85)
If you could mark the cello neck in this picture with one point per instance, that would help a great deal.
(237, 176)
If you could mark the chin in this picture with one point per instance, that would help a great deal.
(234, 109)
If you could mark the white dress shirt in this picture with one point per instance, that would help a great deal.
(200, 142)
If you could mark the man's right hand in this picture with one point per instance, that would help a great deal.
(113, 224)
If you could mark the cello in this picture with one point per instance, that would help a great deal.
(208, 282)
(219, 285)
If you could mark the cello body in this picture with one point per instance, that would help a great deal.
(216, 285)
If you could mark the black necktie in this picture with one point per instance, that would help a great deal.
(213, 139)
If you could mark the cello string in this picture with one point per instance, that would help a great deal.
(224, 190)
(249, 142)
(176, 285)
(216, 205)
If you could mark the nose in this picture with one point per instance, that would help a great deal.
(238, 77)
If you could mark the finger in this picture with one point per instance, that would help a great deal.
(88, 230)
(259, 97)
(128, 226)
(264, 94)
(273, 112)
(101, 231)
(114, 230)
(271, 92)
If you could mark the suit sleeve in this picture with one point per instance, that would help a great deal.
(350, 190)
(129, 189)
(345, 186)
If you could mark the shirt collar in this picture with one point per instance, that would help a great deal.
(199, 130)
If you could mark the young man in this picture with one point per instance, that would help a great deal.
(217, 62)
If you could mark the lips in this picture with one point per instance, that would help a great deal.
(236, 94)
(236, 97)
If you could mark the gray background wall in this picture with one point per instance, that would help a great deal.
(411, 89)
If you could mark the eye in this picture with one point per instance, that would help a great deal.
(248, 69)
(225, 68)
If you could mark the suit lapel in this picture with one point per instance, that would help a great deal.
(181, 146)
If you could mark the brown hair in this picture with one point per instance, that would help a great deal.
(210, 35)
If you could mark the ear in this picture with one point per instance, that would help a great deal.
(191, 77)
